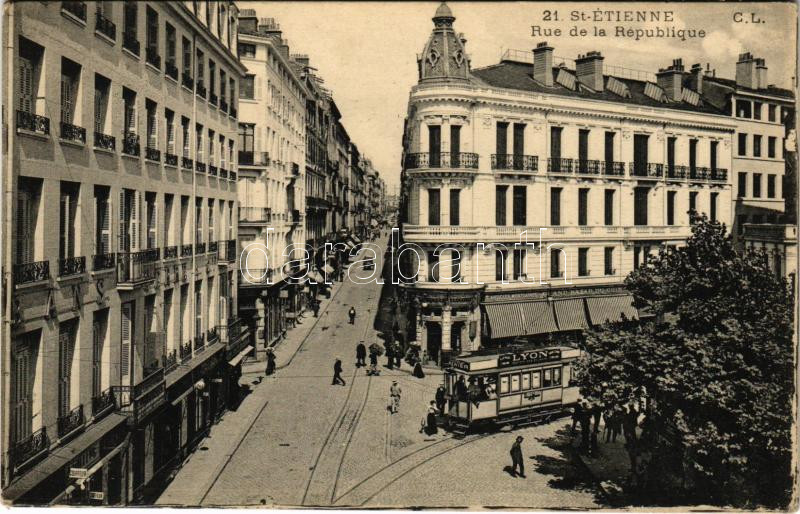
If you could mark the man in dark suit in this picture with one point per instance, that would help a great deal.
(337, 372)
(516, 458)
(361, 354)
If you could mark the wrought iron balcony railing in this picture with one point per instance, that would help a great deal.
(228, 333)
(232, 175)
(105, 26)
(212, 170)
(232, 112)
(200, 166)
(213, 99)
(136, 267)
(646, 169)
(187, 163)
(104, 141)
(170, 159)
(130, 43)
(33, 122)
(143, 398)
(77, 9)
(31, 272)
(515, 162)
(170, 70)
(152, 154)
(185, 352)
(560, 165)
(170, 252)
(170, 360)
(212, 247)
(200, 248)
(29, 448)
(187, 250)
(718, 175)
(71, 421)
(201, 90)
(130, 144)
(186, 79)
(676, 172)
(442, 160)
(103, 261)
(223, 105)
(70, 132)
(212, 336)
(71, 266)
(255, 214)
(199, 343)
(103, 403)
(612, 168)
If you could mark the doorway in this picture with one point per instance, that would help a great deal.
(434, 341)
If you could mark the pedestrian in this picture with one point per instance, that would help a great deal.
(418, 369)
(629, 422)
(516, 458)
(616, 423)
(461, 389)
(608, 422)
(398, 354)
(394, 397)
(577, 412)
(315, 306)
(585, 420)
(270, 361)
(361, 354)
(389, 356)
(440, 397)
(337, 372)
(373, 364)
(430, 421)
(352, 314)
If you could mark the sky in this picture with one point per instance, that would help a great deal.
(366, 51)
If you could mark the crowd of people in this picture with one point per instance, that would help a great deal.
(616, 419)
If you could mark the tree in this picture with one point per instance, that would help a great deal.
(715, 363)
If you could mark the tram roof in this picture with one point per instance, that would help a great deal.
(506, 359)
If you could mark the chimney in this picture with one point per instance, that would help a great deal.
(589, 70)
(543, 64)
(669, 79)
(746, 71)
(301, 59)
(697, 78)
(761, 73)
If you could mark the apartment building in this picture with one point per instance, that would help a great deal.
(121, 333)
(272, 168)
(607, 165)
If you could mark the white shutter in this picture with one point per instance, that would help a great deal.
(123, 225)
(98, 111)
(65, 228)
(65, 368)
(105, 228)
(98, 335)
(152, 223)
(130, 115)
(127, 336)
(25, 227)
(66, 99)
(135, 221)
(152, 128)
(171, 135)
(21, 383)
(25, 85)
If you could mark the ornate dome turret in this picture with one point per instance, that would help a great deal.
(444, 57)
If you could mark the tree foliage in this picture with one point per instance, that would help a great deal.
(716, 363)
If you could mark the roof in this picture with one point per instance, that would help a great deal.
(517, 75)
(769, 90)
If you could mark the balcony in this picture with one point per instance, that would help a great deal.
(171, 252)
(232, 112)
(130, 145)
(70, 132)
(145, 397)
(104, 141)
(428, 160)
(200, 249)
(28, 449)
(226, 251)
(71, 266)
(674, 172)
(212, 170)
(170, 70)
(223, 105)
(30, 122)
(646, 169)
(223, 173)
(31, 272)
(152, 154)
(232, 175)
(185, 352)
(295, 169)
(295, 217)
(558, 165)
(77, 9)
(526, 163)
(199, 343)
(253, 158)
(130, 43)
(70, 422)
(512, 233)
(200, 166)
(769, 232)
(212, 336)
(201, 90)
(103, 261)
(105, 26)
(187, 250)
(228, 333)
(103, 403)
(170, 361)
(255, 215)
(212, 247)
(187, 80)
(213, 99)
(135, 268)
(718, 175)
(151, 57)
(187, 163)
(170, 159)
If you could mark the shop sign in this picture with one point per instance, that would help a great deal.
(458, 364)
(79, 473)
(528, 357)
(96, 495)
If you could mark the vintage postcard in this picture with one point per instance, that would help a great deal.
(358, 255)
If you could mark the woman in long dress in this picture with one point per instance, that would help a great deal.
(430, 421)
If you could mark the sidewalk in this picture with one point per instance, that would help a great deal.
(610, 468)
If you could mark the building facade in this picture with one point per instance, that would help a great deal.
(121, 280)
(597, 171)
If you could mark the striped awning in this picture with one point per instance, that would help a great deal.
(538, 318)
(520, 319)
(570, 314)
(604, 309)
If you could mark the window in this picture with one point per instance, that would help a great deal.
(583, 150)
(201, 71)
(198, 310)
(501, 139)
(28, 197)
(187, 57)
(187, 141)
(102, 217)
(555, 144)
(198, 220)
(210, 219)
(24, 355)
(742, 146)
(150, 219)
(743, 109)
(518, 144)
(770, 186)
(198, 147)
(520, 205)
(583, 262)
(246, 137)
(583, 206)
(233, 91)
(211, 143)
(771, 108)
(185, 230)
(247, 90)
(519, 262)
(671, 156)
(609, 150)
(129, 106)
(500, 205)
(169, 125)
(771, 141)
(640, 206)
(500, 258)
(637, 257)
(608, 217)
(130, 21)
(433, 267)
(434, 146)
(129, 216)
(212, 77)
(67, 332)
(434, 206)
(455, 195)
(555, 263)
(757, 110)
(608, 260)
(692, 201)
(102, 90)
(641, 143)
(713, 154)
(172, 47)
(223, 83)
(455, 145)
(756, 145)
(152, 124)
(756, 185)
(671, 207)
(152, 38)
(455, 263)
(70, 81)
(247, 50)
(68, 229)
(555, 206)
(741, 220)
(742, 185)
(169, 233)
(693, 156)
(712, 208)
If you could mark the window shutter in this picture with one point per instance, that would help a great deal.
(98, 111)
(65, 227)
(22, 401)
(25, 228)
(131, 116)
(152, 128)
(125, 350)
(97, 353)
(135, 220)
(66, 99)
(170, 135)
(26, 84)
(122, 235)
(65, 368)
(223, 309)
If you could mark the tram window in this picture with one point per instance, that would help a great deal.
(536, 379)
(490, 387)
(547, 380)
(504, 384)
(556, 376)
(526, 381)
(515, 382)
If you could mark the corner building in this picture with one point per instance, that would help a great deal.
(608, 165)
(122, 339)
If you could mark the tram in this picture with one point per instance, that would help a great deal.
(515, 387)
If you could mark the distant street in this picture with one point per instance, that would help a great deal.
(316, 444)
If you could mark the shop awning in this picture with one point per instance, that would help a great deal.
(62, 456)
(184, 369)
(236, 360)
(520, 319)
(538, 318)
(604, 309)
(570, 314)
